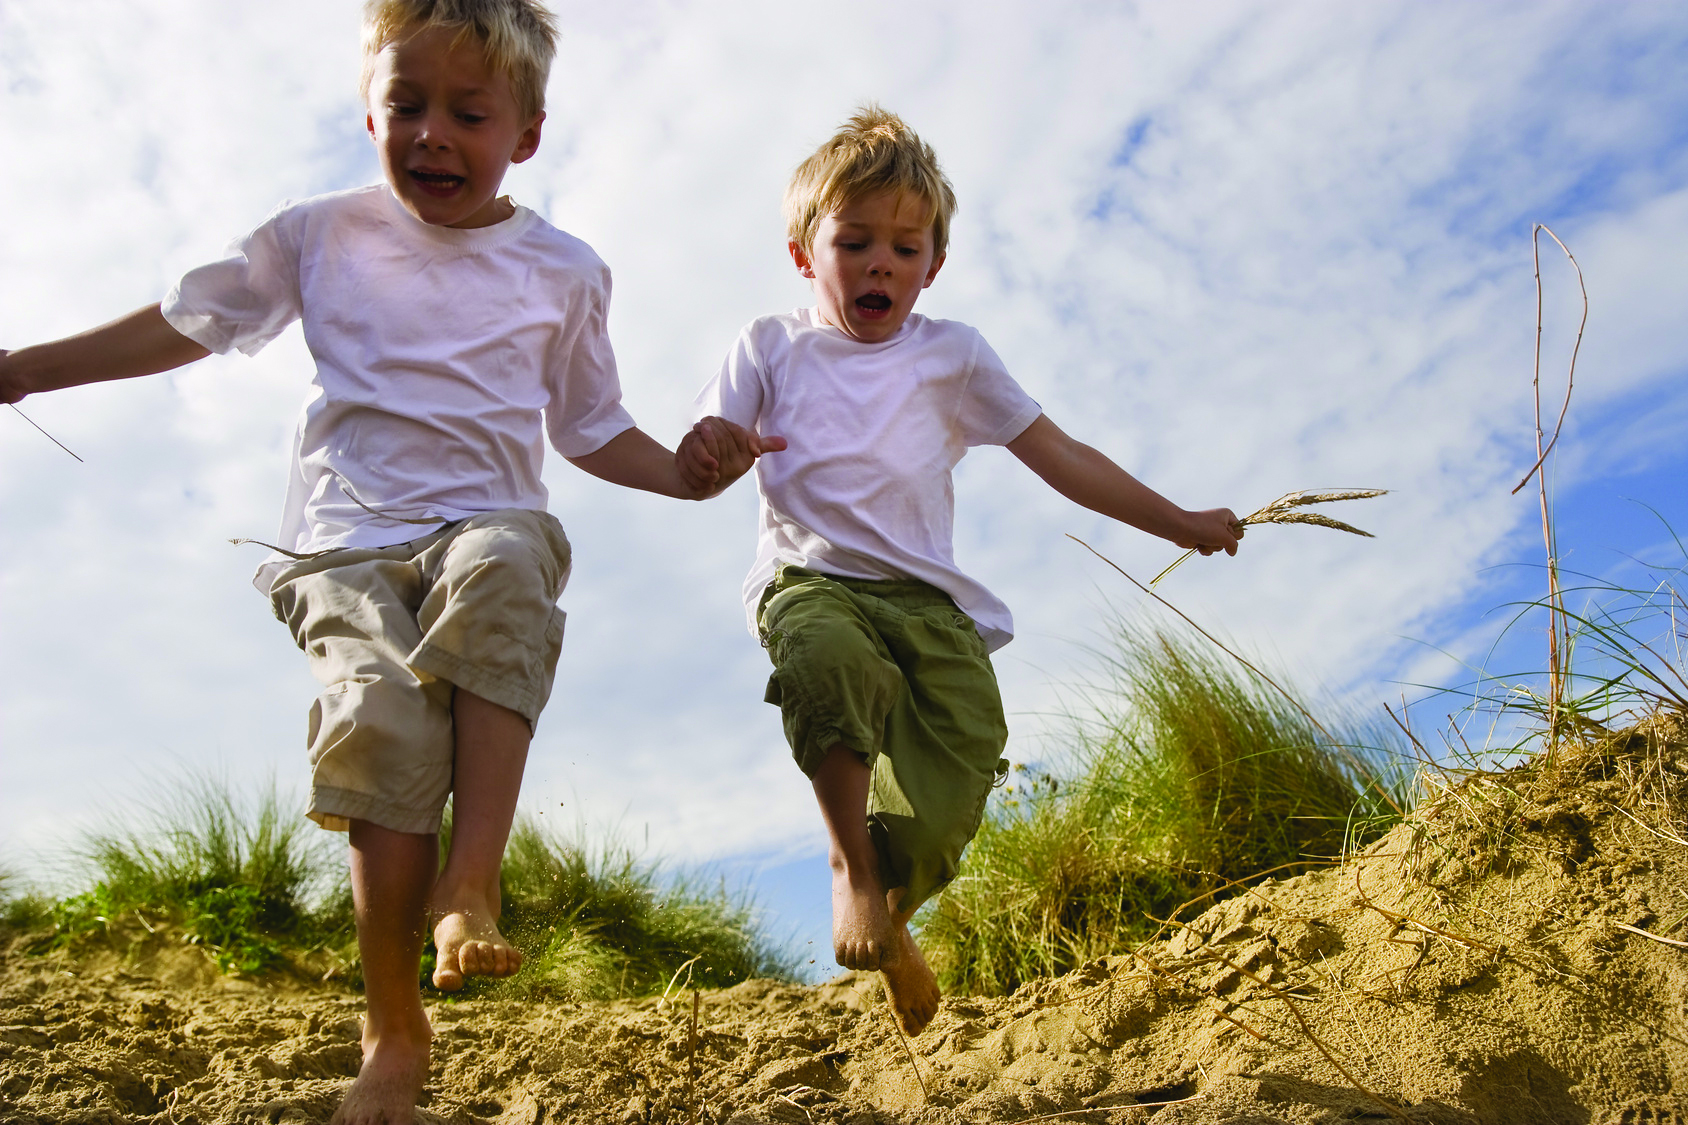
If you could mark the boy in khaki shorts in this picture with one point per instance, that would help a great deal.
(418, 569)
(880, 644)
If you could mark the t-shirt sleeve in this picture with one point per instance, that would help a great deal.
(994, 410)
(585, 409)
(246, 298)
(736, 391)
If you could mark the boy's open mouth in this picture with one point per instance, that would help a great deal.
(440, 183)
(873, 302)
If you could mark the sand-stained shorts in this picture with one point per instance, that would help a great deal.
(894, 671)
(391, 631)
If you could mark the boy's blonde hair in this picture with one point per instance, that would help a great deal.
(518, 36)
(873, 152)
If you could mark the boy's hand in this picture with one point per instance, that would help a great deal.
(698, 459)
(717, 452)
(1213, 530)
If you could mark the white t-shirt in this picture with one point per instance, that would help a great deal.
(436, 352)
(864, 489)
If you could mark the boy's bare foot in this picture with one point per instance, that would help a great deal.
(911, 986)
(468, 944)
(863, 936)
(388, 1084)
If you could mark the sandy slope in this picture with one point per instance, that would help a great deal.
(1472, 966)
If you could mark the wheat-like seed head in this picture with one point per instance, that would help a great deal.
(1282, 510)
(1305, 517)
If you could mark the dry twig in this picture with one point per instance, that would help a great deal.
(1106, 1108)
(44, 433)
(1558, 622)
(1655, 937)
(691, 1059)
(909, 1051)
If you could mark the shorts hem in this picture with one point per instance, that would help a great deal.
(448, 666)
(821, 741)
(335, 809)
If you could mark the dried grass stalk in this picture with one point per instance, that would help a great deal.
(1283, 510)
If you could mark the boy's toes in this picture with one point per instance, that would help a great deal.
(863, 956)
(447, 976)
(488, 959)
(470, 946)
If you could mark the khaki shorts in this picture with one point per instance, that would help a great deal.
(895, 672)
(391, 631)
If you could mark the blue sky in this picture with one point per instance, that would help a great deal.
(1241, 247)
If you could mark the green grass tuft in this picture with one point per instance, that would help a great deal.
(261, 888)
(250, 880)
(1188, 774)
(601, 922)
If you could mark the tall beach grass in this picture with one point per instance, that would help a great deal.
(247, 878)
(242, 875)
(1185, 775)
(598, 920)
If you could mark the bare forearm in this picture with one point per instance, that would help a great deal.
(634, 459)
(142, 343)
(1087, 476)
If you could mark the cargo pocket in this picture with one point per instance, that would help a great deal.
(774, 641)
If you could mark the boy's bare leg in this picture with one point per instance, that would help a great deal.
(868, 930)
(492, 746)
(909, 981)
(863, 936)
(391, 875)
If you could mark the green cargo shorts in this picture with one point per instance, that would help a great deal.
(894, 671)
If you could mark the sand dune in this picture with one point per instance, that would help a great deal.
(1514, 953)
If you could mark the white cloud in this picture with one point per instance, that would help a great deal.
(1242, 247)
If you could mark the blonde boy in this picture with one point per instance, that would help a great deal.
(451, 329)
(880, 644)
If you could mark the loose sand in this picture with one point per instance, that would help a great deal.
(1481, 963)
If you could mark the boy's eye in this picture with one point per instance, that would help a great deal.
(471, 118)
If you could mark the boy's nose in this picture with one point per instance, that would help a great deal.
(430, 134)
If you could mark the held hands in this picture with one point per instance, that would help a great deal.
(1216, 529)
(717, 452)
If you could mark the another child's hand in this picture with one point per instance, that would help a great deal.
(717, 452)
(1216, 529)
(698, 460)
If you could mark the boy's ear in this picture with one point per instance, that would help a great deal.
(528, 143)
(932, 274)
(369, 124)
(801, 258)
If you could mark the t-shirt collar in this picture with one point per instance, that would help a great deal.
(468, 240)
(811, 316)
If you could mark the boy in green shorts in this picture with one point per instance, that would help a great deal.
(453, 331)
(880, 644)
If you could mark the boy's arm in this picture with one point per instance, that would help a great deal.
(1086, 476)
(712, 456)
(142, 343)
